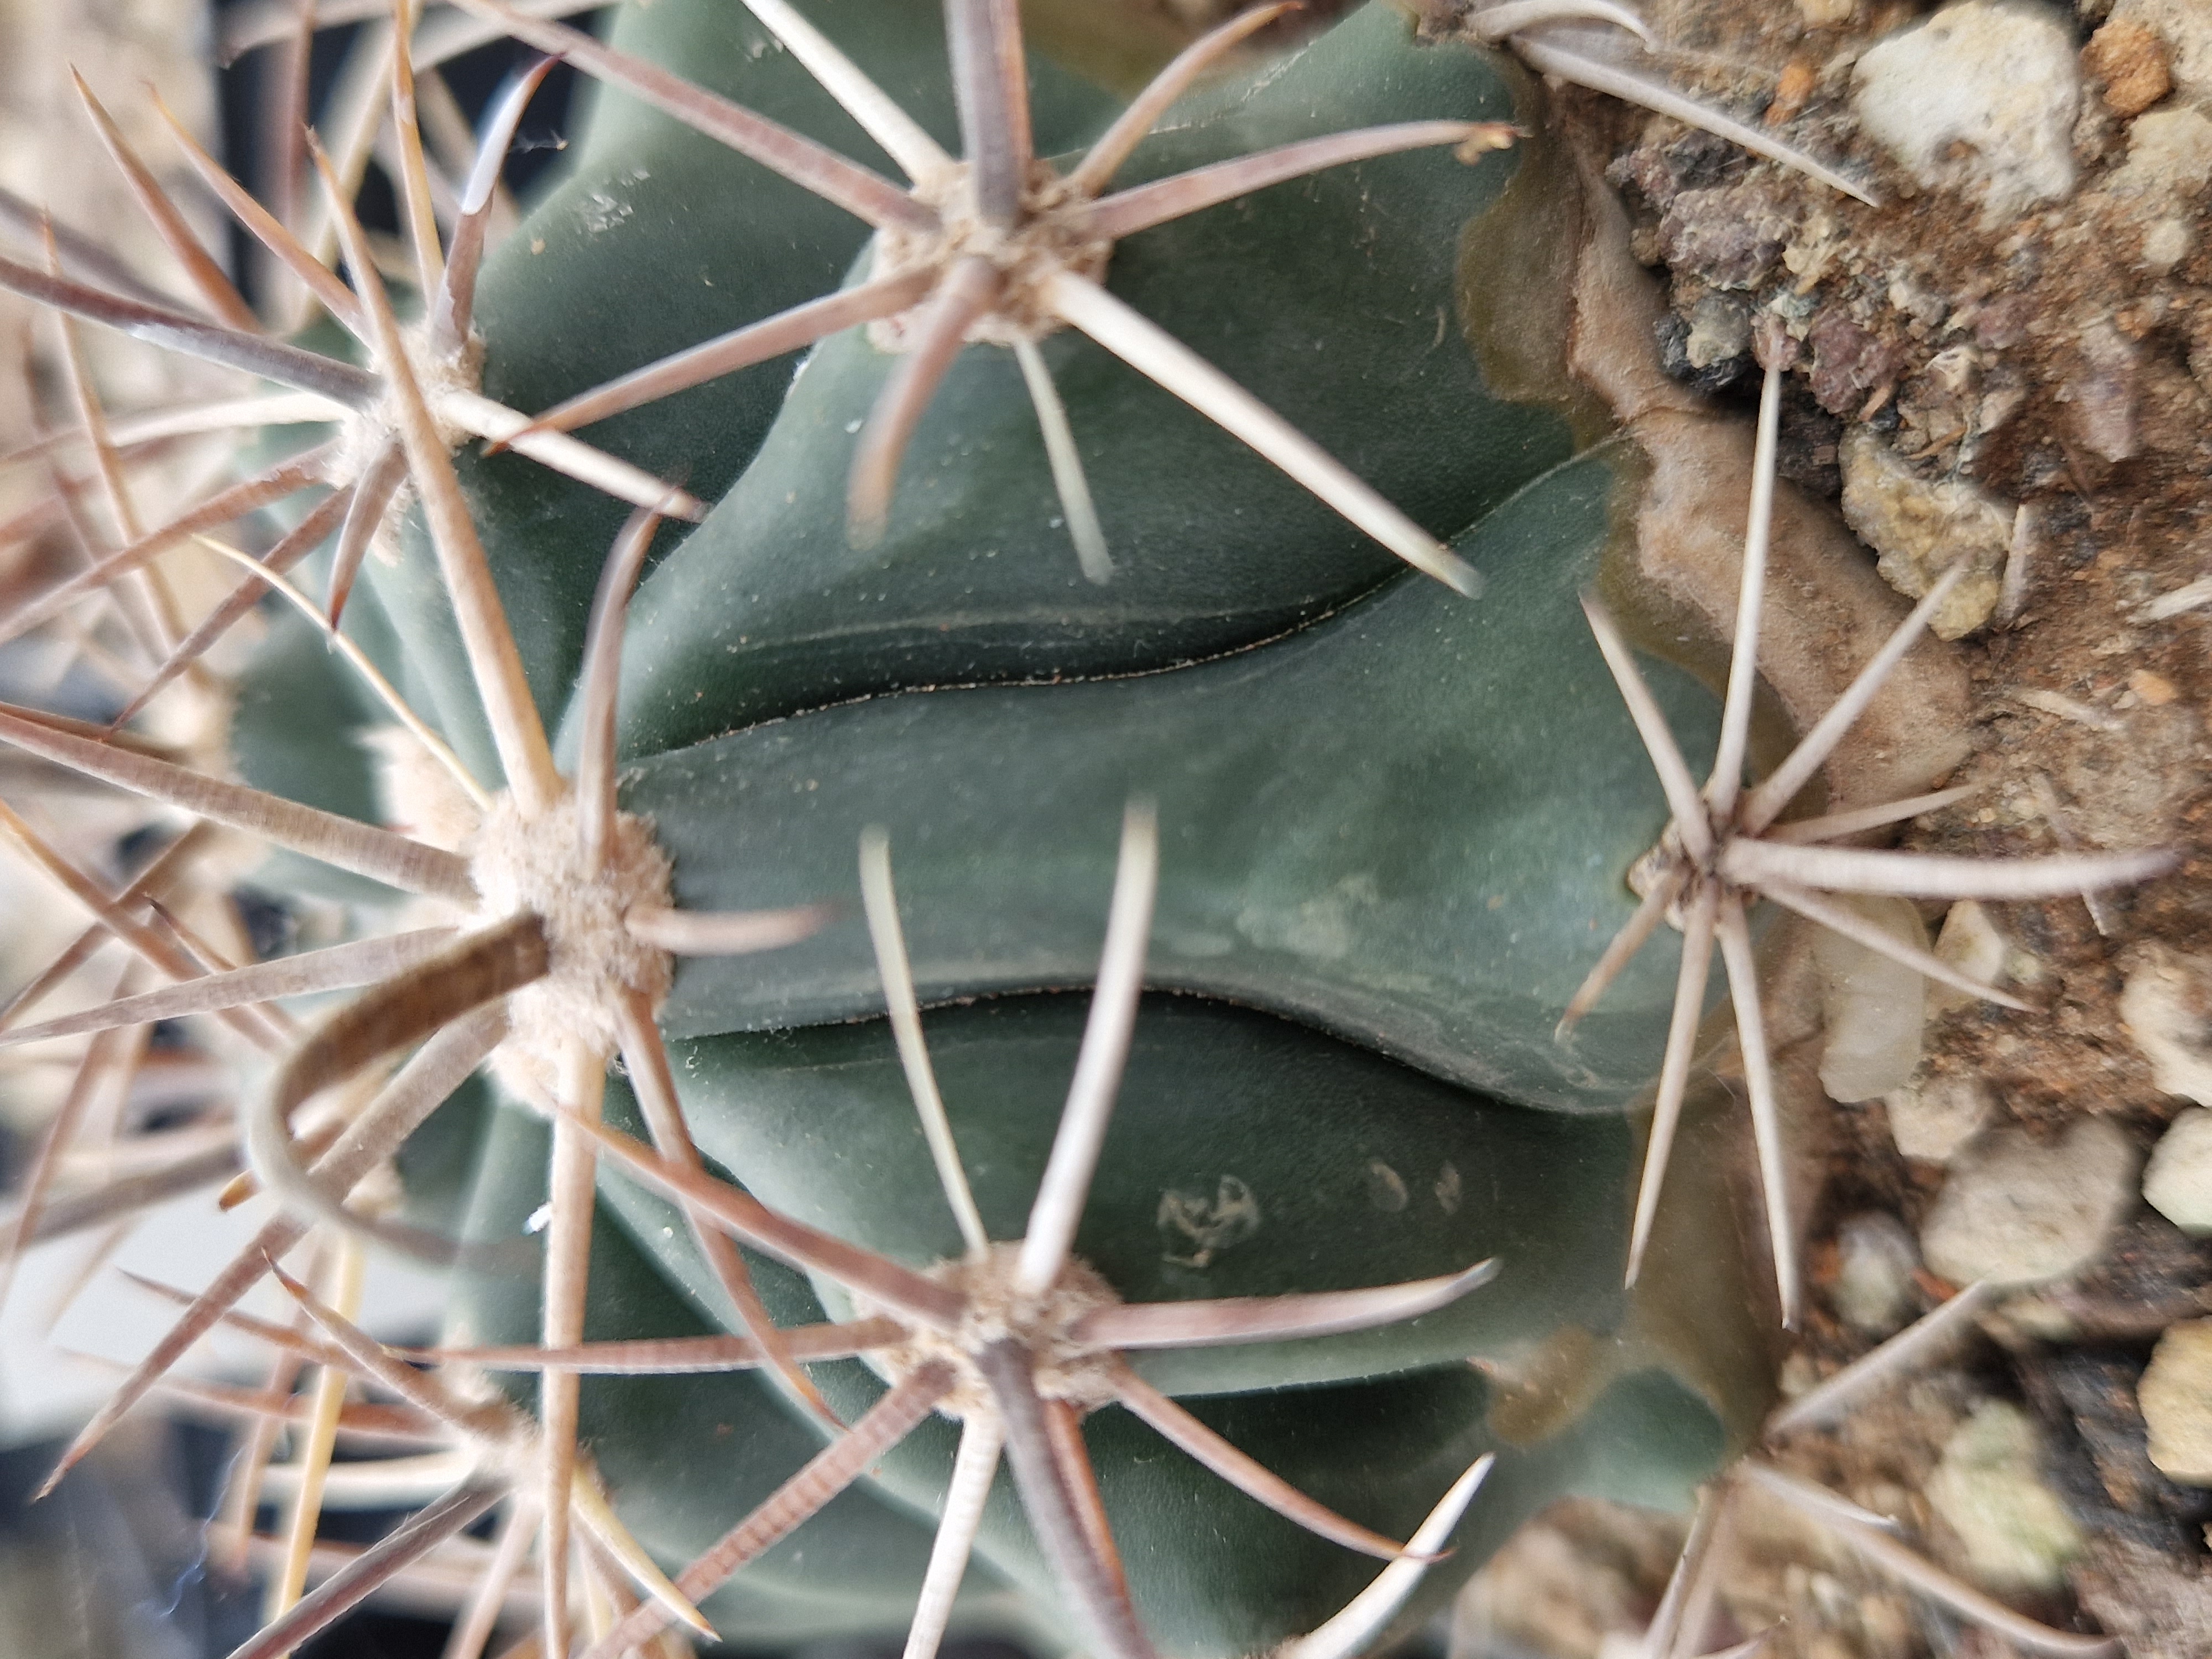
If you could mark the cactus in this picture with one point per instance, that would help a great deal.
(964, 585)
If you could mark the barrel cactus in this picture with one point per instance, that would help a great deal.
(1156, 485)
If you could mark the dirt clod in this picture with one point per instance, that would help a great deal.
(2130, 61)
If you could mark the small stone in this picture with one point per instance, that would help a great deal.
(2166, 1006)
(1729, 237)
(2167, 244)
(1872, 1005)
(2185, 27)
(1931, 1118)
(1999, 404)
(1848, 362)
(2178, 1183)
(2016, 1211)
(2131, 60)
(1798, 1375)
(2003, 321)
(1919, 527)
(1826, 14)
(1792, 88)
(1955, 371)
(2169, 157)
(1578, 1580)
(1979, 98)
(2101, 395)
(1875, 1260)
(1924, 305)
(1968, 941)
(2155, 690)
(1989, 1489)
(2176, 1397)
(2146, 802)
(1720, 331)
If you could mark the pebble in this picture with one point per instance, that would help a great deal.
(1796, 83)
(1572, 1581)
(2100, 397)
(2155, 690)
(1919, 527)
(2185, 27)
(2016, 1211)
(1848, 362)
(1989, 1489)
(1873, 1007)
(1931, 1118)
(2169, 157)
(1731, 240)
(2165, 244)
(1969, 941)
(1875, 1258)
(1980, 98)
(2166, 1007)
(2131, 60)
(1720, 331)
(2178, 1184)
(2176, 1397)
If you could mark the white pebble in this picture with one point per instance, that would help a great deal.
(2167, 244)
(2175, 1397)
(1997, 79)
(1919, 527)
(1970, 942)
(2166, 1007)
(1873, 1005)
(1875, 1257)
(1930, 1118)
(2169, 158)
(2017, 1211)
(2178, 1183)
(1989, 1488)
